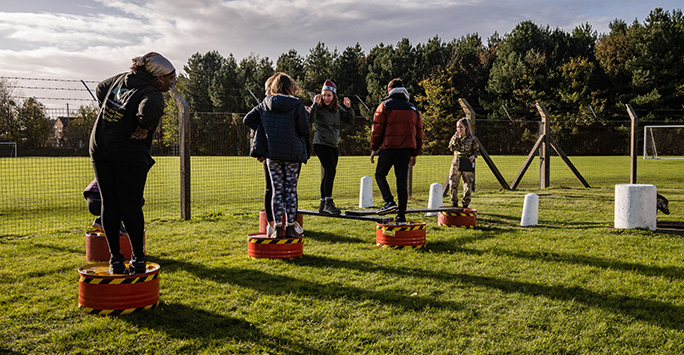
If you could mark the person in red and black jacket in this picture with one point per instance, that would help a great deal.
(398, 134)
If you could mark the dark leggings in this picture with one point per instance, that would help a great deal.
(121, 186)
(328, 157)
(268, 194)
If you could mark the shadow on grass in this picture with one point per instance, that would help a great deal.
(334, 238)
(456, 245)
(283, 285)
(182, 322)
(654, 271)
(656, 312)
(510, 223)
(60, 250)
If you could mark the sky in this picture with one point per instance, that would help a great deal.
(56, 44)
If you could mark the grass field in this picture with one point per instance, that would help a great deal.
(572, 285)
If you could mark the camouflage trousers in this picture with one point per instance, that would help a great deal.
(468, 180)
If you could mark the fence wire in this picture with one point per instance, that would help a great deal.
(44, 193)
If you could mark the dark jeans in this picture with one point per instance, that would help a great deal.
(399, 159)
(121, 187)
(328, 157)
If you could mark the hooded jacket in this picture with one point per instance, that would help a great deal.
(127, 101)
(397, 124)
(327, 123)
(281, 129)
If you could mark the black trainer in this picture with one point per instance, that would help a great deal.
(389, 207)
(330, 208)
(400, 219)
(137, 265)
(116, 265)
(290, 232)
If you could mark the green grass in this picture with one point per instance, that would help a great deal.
(572, 285)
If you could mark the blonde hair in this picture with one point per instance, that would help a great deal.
(283, 84)
(267, 84)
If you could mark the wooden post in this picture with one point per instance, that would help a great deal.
(184, 137)
(544, 156)
(469, 112)
(633, 145)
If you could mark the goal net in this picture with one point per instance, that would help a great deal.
(663, 142)
(8, 149)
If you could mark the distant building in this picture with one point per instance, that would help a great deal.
(58, 126)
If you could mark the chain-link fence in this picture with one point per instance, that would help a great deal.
(44, 193)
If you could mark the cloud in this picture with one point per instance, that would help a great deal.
(97, 38)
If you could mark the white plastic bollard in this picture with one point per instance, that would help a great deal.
(530, 214)
(635, 206)
(366, 192)
(435, 200)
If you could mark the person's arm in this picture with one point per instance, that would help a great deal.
(150, 111)
(103, 88)
(347, 112)
(419, 137)
(252, 119)
(474, 148)
(379, 125)
(302, 121)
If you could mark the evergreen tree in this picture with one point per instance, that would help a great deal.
(318, 67)
(199, 75)
(225, 89)
(292, 64)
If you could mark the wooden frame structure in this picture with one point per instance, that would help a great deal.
(543, 142)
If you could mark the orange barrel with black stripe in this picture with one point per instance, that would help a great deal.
(263, 221)
(409, 235)
(260, 246)
(103, 293)
(464, 219)
(97, 248)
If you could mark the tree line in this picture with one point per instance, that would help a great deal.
(583, 78)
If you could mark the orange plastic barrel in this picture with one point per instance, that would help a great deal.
(464, 219)
(259, 246)
(400, 236)
(263, 222)
(97, 248)
(103, 293)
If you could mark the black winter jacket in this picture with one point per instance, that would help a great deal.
(133, 101)
(281, 129)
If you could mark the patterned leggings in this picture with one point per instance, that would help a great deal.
(284, 177)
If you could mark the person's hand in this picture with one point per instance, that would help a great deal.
(140, 133)
(347, 102)
(373, 153)
(317, 99)
(412, 162)
(472, 158)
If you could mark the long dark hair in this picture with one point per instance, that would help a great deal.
(333, 104)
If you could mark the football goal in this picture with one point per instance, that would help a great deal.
(663, 142)
(8, 149)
